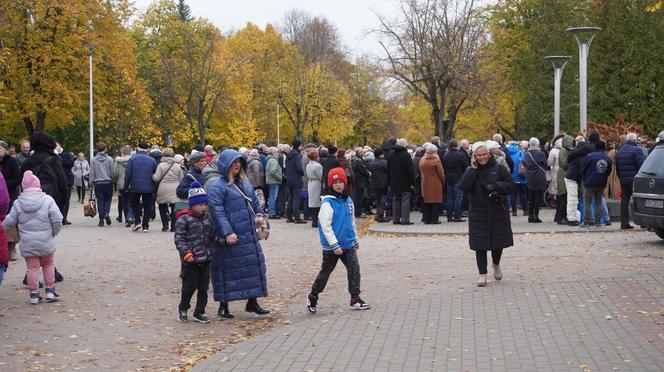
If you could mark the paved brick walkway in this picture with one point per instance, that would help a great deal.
(614, 324)
(520, 225)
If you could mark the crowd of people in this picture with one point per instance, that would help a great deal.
(211, 201)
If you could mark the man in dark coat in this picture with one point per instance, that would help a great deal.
(362, 175)
(67, 158)
(596, 168)
(330, 163)
(401, 179)
(536, 166)
(282, 194)
(294, 173)
(628, 162)
(489, 228)
(455, 163)
(45, 161)
(138, 178)
(378, 184)
(11, 173)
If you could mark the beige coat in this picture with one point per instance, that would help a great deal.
(170, 174)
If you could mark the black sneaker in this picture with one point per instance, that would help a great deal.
(129, 223)
(25, 282)
(182, 316)
(58, 277)
(356, 303)
(101, 223)
(200, 318)
(108, 220)
(311, 303)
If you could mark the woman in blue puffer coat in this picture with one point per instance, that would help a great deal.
(238, 267)
(520, 191)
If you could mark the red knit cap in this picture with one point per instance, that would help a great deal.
(336, 174)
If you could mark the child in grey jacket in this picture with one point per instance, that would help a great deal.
(39, 220)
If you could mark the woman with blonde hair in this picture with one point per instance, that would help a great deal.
(238, 264)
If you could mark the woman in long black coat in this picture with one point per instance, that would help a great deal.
(488, 184)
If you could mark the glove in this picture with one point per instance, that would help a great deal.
(188, 257)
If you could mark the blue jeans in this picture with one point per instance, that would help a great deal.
(454, 196)
(272, 199)
(124, 202)
(104, 194)
(2, 272)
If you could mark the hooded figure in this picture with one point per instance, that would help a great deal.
(47, 166)
(238, 270)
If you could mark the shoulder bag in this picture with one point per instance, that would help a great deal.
(262, 227)
(90, 206)
(547, 173)
(521, 168)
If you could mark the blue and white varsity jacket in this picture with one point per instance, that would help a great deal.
(336, 223)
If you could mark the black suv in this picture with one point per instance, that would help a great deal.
(648, 197)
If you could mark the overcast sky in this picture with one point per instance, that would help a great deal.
(353, 18)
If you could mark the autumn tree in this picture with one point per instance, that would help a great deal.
(431, 49)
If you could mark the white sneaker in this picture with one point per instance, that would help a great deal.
(482, 281)
(497, 272)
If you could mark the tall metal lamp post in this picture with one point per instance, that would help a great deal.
(584, 37)
(92, 120)
(559, 63)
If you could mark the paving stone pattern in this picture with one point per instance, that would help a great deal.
(520, 225)
(611, 324)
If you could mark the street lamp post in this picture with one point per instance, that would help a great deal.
(629, 112)
(92, 120)
(584, 37)
(559, 63)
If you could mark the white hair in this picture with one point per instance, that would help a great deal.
(490, 145)
(534, 142)
(402, 142)
(478, 145)
(464, 142)
(253, 152)
(660, 136)
(523, 144)
(430, 148)
(631, 137)
(498, 138)
(273, 151)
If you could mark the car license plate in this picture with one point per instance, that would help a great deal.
(654, 203)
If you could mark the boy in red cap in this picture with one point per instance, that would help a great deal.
(338, 236)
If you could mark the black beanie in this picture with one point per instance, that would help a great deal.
(296, 144)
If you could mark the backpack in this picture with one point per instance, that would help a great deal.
(47, 178)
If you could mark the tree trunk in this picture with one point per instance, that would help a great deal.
(451, 120)
(41, 121)
(201, 123)
(29, 128)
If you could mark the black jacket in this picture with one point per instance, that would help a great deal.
(12, 175)
(361, 173)
(400, 170)
(329, 164)
(455, 163)
(536, 164)
(294, 171)
(508, 159)
(68, 159)
(44, 148)
(379, 175)
(489, 225)
(194, 234)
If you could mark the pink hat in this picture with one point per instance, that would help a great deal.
(30, 181)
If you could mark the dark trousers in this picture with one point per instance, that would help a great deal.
(313, 212)
(195, 277)
(521, 194)
(293, 208)
(401, 207)
(104, 195)
(282, 199)
(125, 205)
(454, 195)
(65, 210)
(535, 198)
(430, 212)
(167, 215)
(349, 259)
(144, 215)
(358, 201)
(626, 191)
(589, 195)
(480, 257)
(381, 213)
(81, 193)
(561, 208)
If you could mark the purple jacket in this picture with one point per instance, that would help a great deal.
(4, 198)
